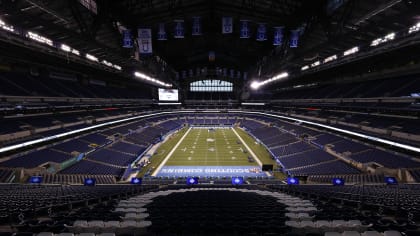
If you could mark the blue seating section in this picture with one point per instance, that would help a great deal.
(372, 88)
(330, 168)
(325, 138)
(292, 149)
(73, 145)
(108, 156)
(385, 158)
(26, 85)
(128, 148)
(36, 158)
(305, 159)
(97, 139)
(93, 168)
(251, 125)
(349, 146)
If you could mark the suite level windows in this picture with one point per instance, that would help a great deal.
(211, 86)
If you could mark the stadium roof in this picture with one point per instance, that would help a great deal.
(327, 27)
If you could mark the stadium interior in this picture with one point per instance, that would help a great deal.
(210, 117)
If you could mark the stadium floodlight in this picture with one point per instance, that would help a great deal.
(107, 63)
(39, 38)
(153, 80)
(413, 29)
(75, 52)
(117, 67)
(65, 48)
(6, 27)
(91, 57)
(330, 58)
(304, 68)
(255, 85)
(315, 64)
(280, 76)
(351, 51)
(386, 38)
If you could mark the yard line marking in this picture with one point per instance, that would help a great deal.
(170, 153)
(247, 147)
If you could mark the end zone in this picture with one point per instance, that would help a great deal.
(210, 171)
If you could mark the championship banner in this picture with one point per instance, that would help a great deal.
(196, 26)
(177, 75)
(262, 32)
(191, 73)
(225, 72)
(232, 73)
(244, 32)
(245, 75)
(179, 29)
(294, 38)
(145, 41)
(184, 74)
(278, 36)
(161, 35)
(238, 75)
(227, 25)
(127, 41)
(198, 71)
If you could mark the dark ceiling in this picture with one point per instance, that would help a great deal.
(326, 30)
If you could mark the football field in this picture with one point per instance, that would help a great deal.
(218, 151)
(204, 147)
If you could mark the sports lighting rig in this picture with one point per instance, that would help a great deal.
(153, 80)
(257, 84)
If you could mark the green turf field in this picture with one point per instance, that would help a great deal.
(202, 147)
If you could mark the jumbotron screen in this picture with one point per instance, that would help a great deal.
(168, 95)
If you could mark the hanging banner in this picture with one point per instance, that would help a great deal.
(261, 32)
(191, 73)
(238, 75)
(245, 75)
(184, 74)
(232, 73)
(179, 29)
(145, 41)
(177, 75)
(161, 35)
(196, 26)
(227, 25)
(198, 71)
(278, 36)
(127, 41)
(244, 32)
(294, 38)
(225, 72)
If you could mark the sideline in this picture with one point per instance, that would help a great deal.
(170, 153)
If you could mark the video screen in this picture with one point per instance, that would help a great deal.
(168, 95)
